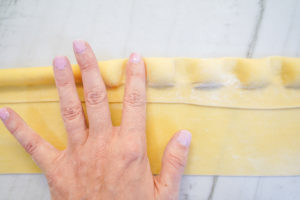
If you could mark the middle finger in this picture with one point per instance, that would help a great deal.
(94, 89)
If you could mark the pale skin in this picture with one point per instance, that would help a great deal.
(101, 161)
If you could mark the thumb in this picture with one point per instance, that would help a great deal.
(173, 163)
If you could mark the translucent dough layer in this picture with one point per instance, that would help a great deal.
(291, 72)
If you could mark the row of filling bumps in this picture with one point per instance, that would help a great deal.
(213, 72)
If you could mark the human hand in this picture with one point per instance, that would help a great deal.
(101, 161)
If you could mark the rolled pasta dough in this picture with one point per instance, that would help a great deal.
(235, 131)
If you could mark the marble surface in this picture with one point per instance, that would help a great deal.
(32, 32)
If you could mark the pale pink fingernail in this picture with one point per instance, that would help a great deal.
(4, 114)
(135, 58)
(60, 62)
(79, 46)
(184, 138)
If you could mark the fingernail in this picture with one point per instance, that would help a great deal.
(184, 138)
(4, 114)
(60, 62)
(79, 46)
(135, 58)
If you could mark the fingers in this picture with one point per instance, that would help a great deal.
(173, 163)
(134, 103)
(94, 89)
(71, 108)
(41, 151)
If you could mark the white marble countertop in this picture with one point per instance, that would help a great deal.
(33, 32)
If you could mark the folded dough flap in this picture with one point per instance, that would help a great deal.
(264, 83)
(247, 122)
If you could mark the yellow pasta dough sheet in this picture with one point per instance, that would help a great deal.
(244, 114)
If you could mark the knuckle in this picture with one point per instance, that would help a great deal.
(135, 98)
(63, 79)
(64, 83)
(137, 70)
(31, 147)
(133, 152)
(16, 128)
(137, 73)
(71, 112)
(175, 161)
(96, 96)
(86, 65)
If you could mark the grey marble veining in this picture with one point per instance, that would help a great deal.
(33, 32)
